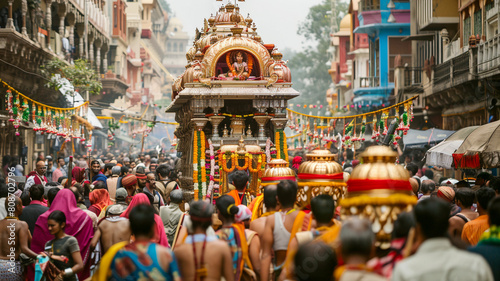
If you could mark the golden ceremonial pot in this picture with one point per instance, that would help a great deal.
(378, 190)
(278, 170)
(320, 175)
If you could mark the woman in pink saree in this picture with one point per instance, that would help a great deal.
(78, 224)
(160, 236)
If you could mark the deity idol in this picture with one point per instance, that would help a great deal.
(238, 66)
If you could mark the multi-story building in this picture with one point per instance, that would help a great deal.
(32, 33)
(341, 68)
(455, 59)
(385, 22)
(175, 59)
(124, 40)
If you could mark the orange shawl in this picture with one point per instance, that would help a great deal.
(100, 199)
(234, 193)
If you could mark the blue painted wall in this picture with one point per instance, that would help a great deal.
(383, 31)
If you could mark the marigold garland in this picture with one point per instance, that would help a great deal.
(259, 164)
(277, 141)
(224, 163)
(285, 145)
(195, 160)
(246, 163)
(203, 183)
(199, 170)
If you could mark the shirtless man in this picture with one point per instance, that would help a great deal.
(111, 230)
(209, 258)
(270, 204)
(323, 210)
(14, 239)
(464, 198)
(278, 229)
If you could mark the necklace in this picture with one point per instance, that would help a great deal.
(242, 196)
(322, 228)
(267, 214)
(201, 272)
(11, 218)
(289, 211)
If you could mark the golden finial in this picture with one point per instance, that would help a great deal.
(241, 146)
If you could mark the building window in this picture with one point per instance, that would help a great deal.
(478, 23)
(467, 31)
(181, 47)
(169, 47)
(490, 5)
(175, 47)
(399, 48)
(370, 5)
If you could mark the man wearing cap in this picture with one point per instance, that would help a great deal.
(126, 161)
(140, 173)
(96, 171)
(448, 194)
(112, 181)
(121, 203)
(129, 182)
(112, 229)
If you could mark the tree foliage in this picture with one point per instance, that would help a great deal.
(80, 74)
(309, 67)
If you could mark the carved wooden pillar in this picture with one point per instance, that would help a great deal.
(48, 19)
(61, 26)
(71, 19)
(80, 30)
(105, 62)
(10, 21)
(98, 45)
(91, 50)
(24, 10)
(98, 59)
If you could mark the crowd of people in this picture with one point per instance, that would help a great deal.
(125, 217)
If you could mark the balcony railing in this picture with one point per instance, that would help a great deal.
(488, 56)
(412, 76)
(456, 71)
(368, 82)
(97, 17)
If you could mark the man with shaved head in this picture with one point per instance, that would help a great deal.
(357, 244)
(14, 239)
(269, 207)
(37, 176)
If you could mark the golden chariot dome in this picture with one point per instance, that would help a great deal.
(278, 170)
(378, 190)
(223, 37)
(320, 174)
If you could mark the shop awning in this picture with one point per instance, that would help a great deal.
(126, 139)
(76, 100)
(99, 133)
(419, 37)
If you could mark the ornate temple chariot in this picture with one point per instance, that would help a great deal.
(230, 103)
